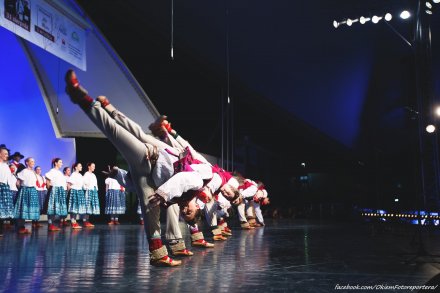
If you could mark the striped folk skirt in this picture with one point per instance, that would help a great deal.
(77, 202)
(56, 202)
(6, 203)
(27, 206)
(92, 202)
(114, 202)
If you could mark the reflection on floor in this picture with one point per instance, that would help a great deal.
(284, 256)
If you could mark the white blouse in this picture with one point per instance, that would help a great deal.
(28, 178)
(5, 173)
(112, 184)
(12, 182)
(250, 191)
(56, 177)
(77, 181)
(90, 181)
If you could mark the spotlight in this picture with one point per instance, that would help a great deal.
(428, 11)
(437, 111)
(405, 14)
(363, 20)
(349, 22)
(335, 23)
(388, 16)
(429, 5)
(436, 1)
(376, 19)
(396, 200)
(430, 128)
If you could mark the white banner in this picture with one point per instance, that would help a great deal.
(45, 26)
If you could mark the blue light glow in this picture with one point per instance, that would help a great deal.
(25, 125)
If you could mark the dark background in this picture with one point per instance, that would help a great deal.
(301, 90)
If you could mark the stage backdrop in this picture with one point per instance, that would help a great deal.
(36, 116)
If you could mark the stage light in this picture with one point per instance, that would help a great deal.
(430, 128)
(396, 200)
(405, 14)
(349, 22)
(437, 111)
(363, 20)
(436, 1)
(376, 19)
(303, 165)
(388, 17)
(428, 11)
(335, 23)
(429, 5)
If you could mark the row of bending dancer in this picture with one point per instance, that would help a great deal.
(254, 193)
(215, 208)
(151, 162)
(161, 177)
(254, 196)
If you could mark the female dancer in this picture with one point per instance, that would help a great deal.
(56, 198)
(114, 200)
(91, 190)
(42, 191)
(77, 198)
(6, 205)
(27, 206)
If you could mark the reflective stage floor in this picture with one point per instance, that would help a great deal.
(284, 256)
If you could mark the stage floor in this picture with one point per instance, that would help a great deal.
(284, 256)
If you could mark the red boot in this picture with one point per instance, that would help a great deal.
(53, 228)
(23, 230)
(88, 225)
(76, 92)
(158, 128)
(218, 235)
(197, 239)
(76, 226)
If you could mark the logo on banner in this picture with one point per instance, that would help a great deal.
(62, 35)
(47, 26)
(19, 12)
(44, 24)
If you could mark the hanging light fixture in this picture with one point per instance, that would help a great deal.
(388, 17)
(376, 19)
(405, 14)
(363, 20)
(172, 30)
(430, 128)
